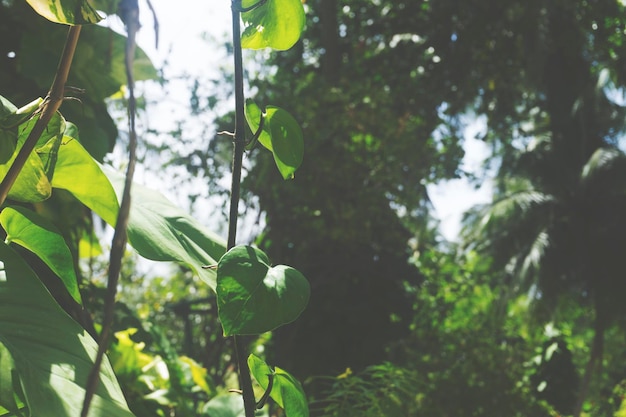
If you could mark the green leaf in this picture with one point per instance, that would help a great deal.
(276, 24)
(8, 401)
(35, 233)
(6, 108)
(227, 405)
(70, 12)
(286, 390)
(281, 135)
(254, 298)
(10, 116)
(160, 231)
(77, 172)
(52, 354)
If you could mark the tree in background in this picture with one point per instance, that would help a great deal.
(556, 222)
(381, 87)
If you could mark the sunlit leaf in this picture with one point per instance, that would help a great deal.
(52, 354)
(160, 231)
(77, 172)
(286, 390)
(198, 373)
(253, 297)
(275, 24)
(71, 12)
(281, 135)
(35, 233)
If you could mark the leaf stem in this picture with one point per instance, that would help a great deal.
(48, 108)
(239, 143)
(254, 6)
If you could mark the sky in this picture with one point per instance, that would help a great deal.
(183, 27)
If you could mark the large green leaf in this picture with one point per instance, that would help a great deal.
(28, 229)
(254, 298)
(286, 390)
(77, 172)
(160, 231)
(71, 12)
(52, 354)
(275, 24)
(281, 135)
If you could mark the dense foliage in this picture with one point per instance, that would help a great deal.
(524, 316)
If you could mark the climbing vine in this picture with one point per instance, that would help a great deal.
(52, 363)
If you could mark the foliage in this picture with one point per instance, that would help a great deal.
(156, 230)
(254, 297)
(505, 327)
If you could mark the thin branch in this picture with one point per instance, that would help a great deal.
(131, 18)
(48, 108)
(156, 24)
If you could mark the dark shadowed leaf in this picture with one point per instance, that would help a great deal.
(254, 298)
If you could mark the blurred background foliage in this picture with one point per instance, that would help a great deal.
(522, 315)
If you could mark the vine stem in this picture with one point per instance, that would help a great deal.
(239, 146)
(48, 108)
(129, 12)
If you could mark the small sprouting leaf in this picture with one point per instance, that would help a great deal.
(28, 229)
(253, 297)
(286, 390)
(69, 12)
(32, 184)
(275, 24)
(281, 135)
(6, 108)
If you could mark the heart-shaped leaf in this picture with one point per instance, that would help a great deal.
(286, 390)
(28, 229)
(281, 135)
(275, 24)
(254, 298)
(70, 12)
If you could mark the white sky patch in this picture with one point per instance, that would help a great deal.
(454, 197)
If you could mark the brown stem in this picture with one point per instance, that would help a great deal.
(48, 108)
